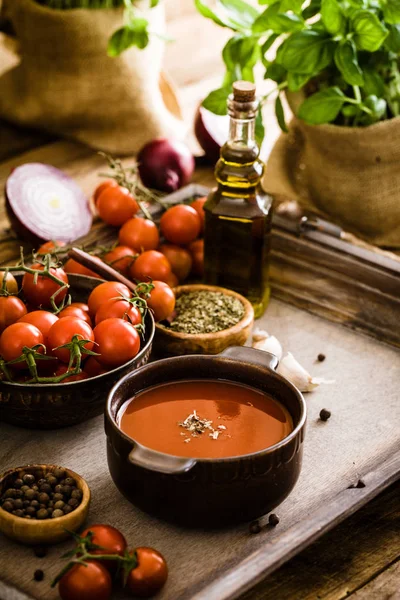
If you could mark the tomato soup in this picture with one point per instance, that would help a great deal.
(205, 419)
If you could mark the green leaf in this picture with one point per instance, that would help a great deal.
(293, 5)
(347, 62)
(154, 3)
(307, 52)
(312, 9)
(221, 19)
(241, 11)
(240, 55)
(392, 41)
(279, 22)
(280, 115)
(333, 17)
(322, 107)
(391, 11)
(350, 110)
(373, 83)
(268, 2)
(260, 130)
(370, 33)
(268, 42)
(216, 101)
(377, 105)
(296, 81)
(276, 72)
(134, 34)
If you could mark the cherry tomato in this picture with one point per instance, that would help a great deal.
(39, 294)
(179, 258)
(180, 224)
(81, 305)
(110, 539)
(62, 333)
(139, 234)
(61, 369)
(42, 319)
(172, 280)
(11, 310)
(196, 249)
(49, 246)
(103, 186)
(150, 265)
(75, 311)
(150, 574)
(119, 309)
(120, 258)
(93, 367)
(12, 285)
(15, 337)
(106, 291)
(118, 341)
(198, 206)
(86, 582)
(161, 301)
(116, 205)
(72, 266)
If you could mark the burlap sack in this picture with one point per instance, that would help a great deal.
(348, 175)
(66, 84)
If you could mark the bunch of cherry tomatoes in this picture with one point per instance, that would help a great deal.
(143, 571)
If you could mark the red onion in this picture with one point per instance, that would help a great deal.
(165, 165)
(211, 132)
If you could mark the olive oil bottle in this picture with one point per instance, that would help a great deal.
(238, 212)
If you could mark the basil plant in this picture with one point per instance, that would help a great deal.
(342, 54)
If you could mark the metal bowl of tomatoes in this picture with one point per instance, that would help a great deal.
(56, 405)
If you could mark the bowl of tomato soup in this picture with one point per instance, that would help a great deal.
(206, 441)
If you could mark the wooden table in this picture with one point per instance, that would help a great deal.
(360, 558)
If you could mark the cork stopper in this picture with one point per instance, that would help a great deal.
(244, 91)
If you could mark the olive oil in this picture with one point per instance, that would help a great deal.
(238, 212)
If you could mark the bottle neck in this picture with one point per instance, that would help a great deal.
(242, 131)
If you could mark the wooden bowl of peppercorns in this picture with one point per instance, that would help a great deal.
(39, 504)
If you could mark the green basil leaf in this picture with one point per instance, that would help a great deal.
(268, 2)
(293, 5)
(350, 110)
(392, 41)
(370, 33)
(241, 11)
(280, 115)
(276, 72)
(307, 52)
(296, 81)
(312, 9)
(268, 43)
(216, 101)
(279, 22)
(391, 11)
(373, 83)
(240, 55)
(377, 105)
(322, 107)
(333, 17)
(347, 62)
(154, 3)
(260, 130)
(221, 19)
(134, 34)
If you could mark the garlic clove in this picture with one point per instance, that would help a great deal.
(292, 370)
(269, 344)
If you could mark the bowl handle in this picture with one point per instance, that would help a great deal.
(159, 462)
(252, 355)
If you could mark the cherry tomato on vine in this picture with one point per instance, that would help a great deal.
(180, 224)
(150, 265)
(117, 342)
(161, 301)
(150, 574)
(116, 205)
(119, 309)
(48, 247)
(179, 258)
(139, 234)
(15, 337)
(12, 285)
(103, 186)
(75, 311)
(42, 319)
(11, 310)
(198, 206)
(81, 305)
(110, 539)
(62, 333)
(86, 582)
(120, 258)
(61, 369)
(72, 266)
(39, 294)
(196, 249)
(105, 291)
(93, 368)
(172, 280)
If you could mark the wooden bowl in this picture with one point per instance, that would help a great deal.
(173, 343)
(47, 531)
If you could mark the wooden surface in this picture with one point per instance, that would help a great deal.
(359, 555)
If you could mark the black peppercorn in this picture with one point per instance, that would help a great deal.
(24, 488)
(67, 490)
(35, 504)
(324, 414)
(27, 516)
(40, 551)
(30, 494)
(57, 513)
(26, 503)
(45, 487)
(58, 497)
(8, 505)
(29, 510)
(10, 493)
(28, 479)
(42, 513)
(58, 489)
(43, 498)
(76, 494)
(51, 480)
(18, 503)
(19, 493)
(41, 482)
(38, 575)
(273, 520)
(35, 488)
(59, 504)
(70, 481)
(18, 483)
(321, 357)
(67, 509)
(59, 473)
(255, 527)
(18, 513)
(74, 502)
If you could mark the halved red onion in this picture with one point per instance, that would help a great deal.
(211, 132)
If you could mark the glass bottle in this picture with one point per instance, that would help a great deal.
(238, 212)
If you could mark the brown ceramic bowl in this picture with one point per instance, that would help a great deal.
(55, 405)
(207, 492)
(47, 531)
(173, 343)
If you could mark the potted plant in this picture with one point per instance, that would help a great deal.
(89, 70)
(338, 63)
